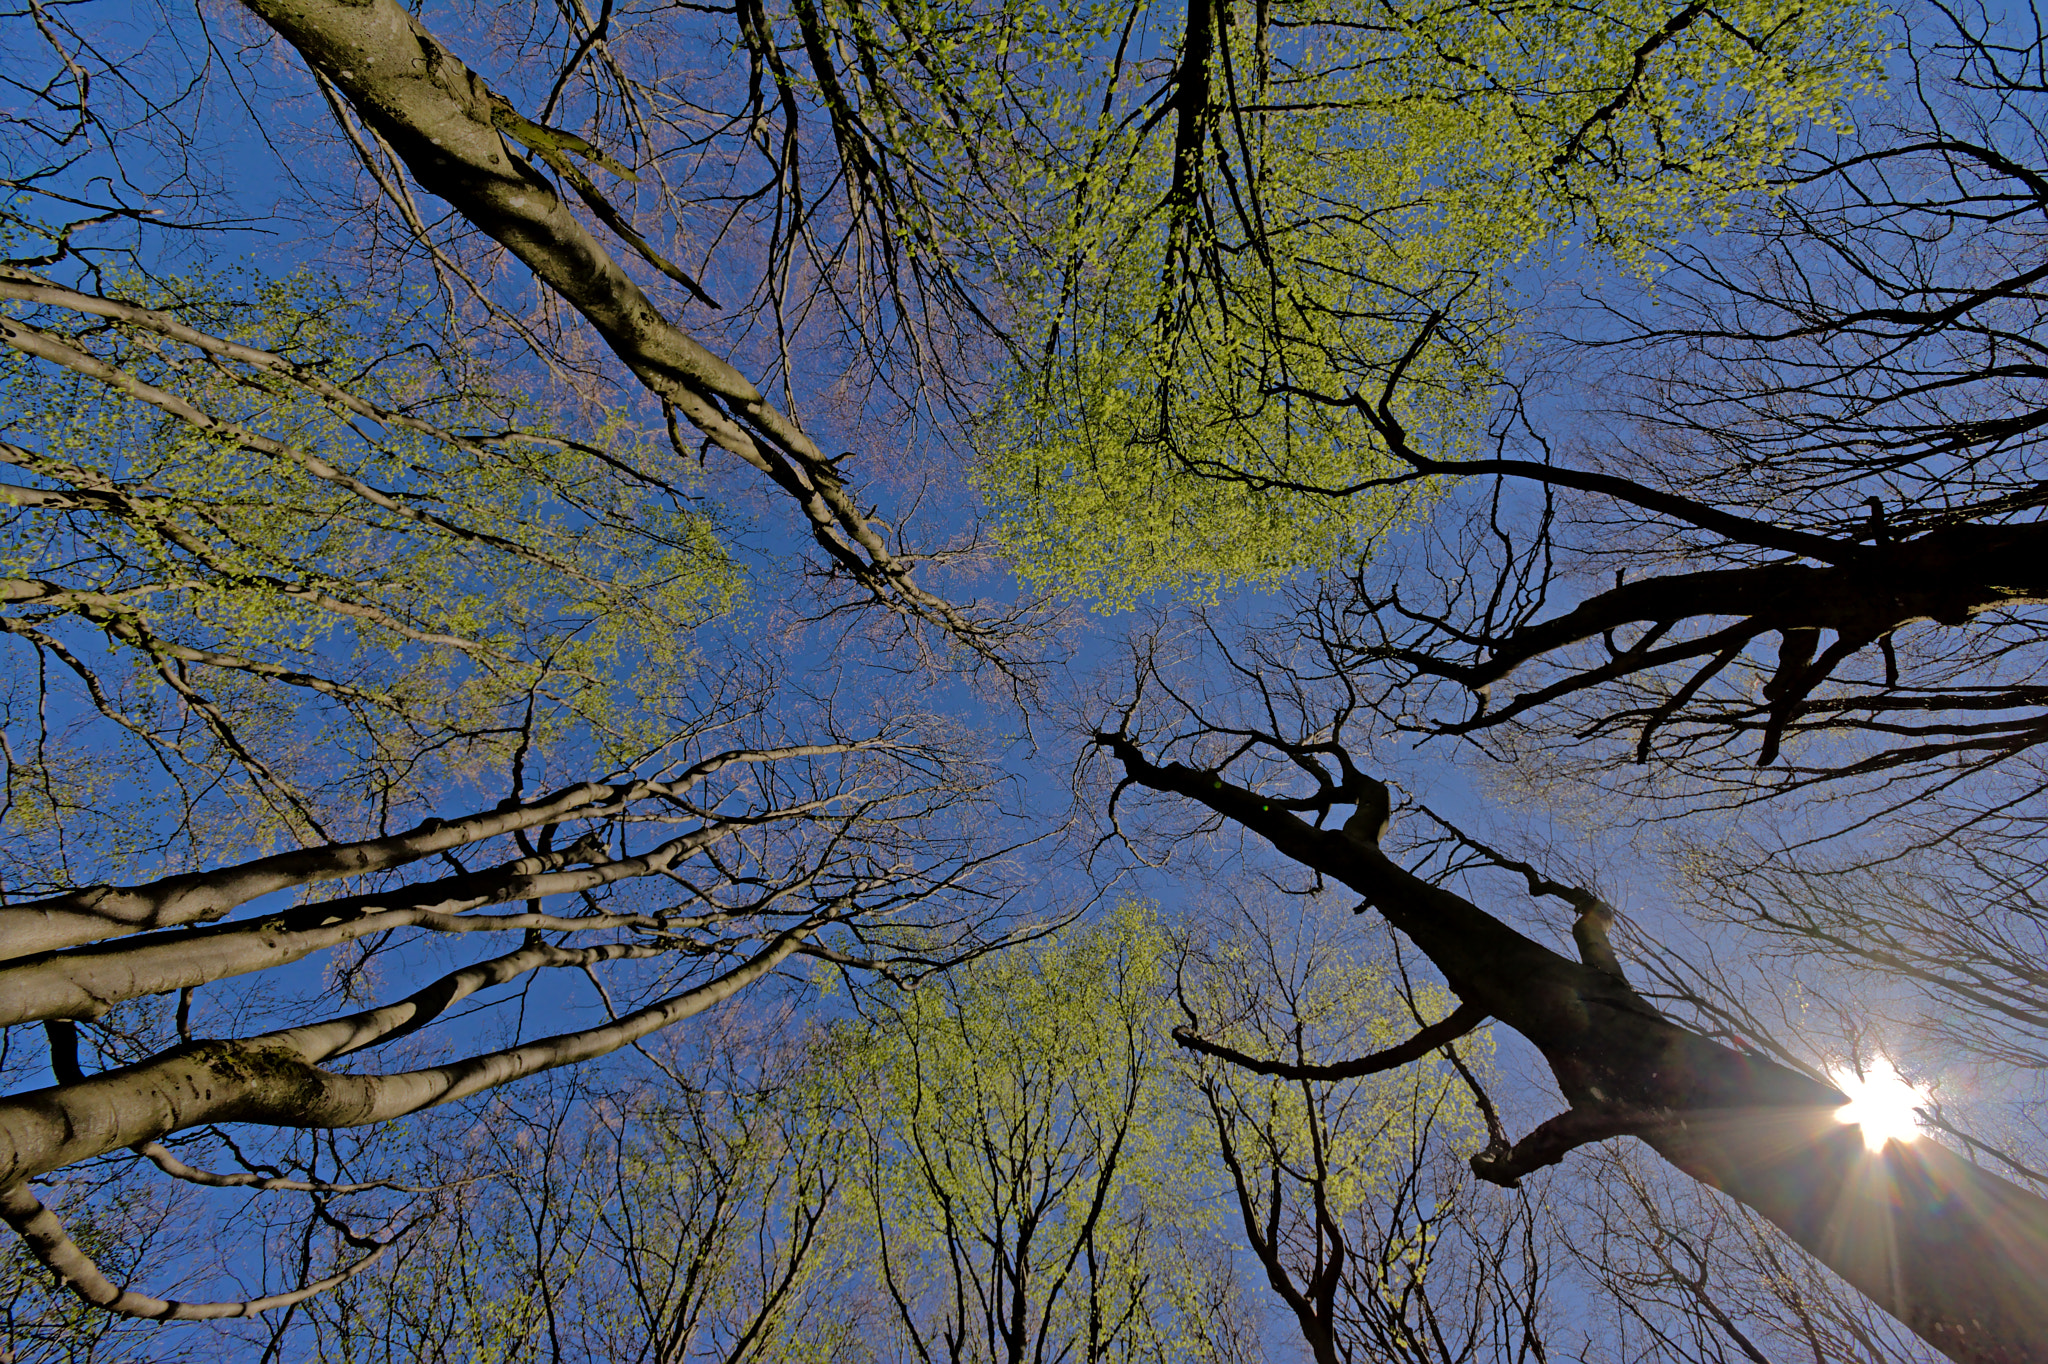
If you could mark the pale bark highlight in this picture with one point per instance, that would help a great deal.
(43, 1232)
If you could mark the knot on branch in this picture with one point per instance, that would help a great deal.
(1375, 812)
(1590, 931)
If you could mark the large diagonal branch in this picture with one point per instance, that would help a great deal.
(83, 983)
(445, 124)
(1952, 1250)
(96, 913)
(277, 1080)
(44, 1234)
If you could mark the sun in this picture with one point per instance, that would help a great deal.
(1881, 1102)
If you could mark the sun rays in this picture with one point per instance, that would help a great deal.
(1881, 1103)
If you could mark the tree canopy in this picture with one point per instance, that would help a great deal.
(1305, 249)
(564, 798)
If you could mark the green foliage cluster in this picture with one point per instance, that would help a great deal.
(1039, 1166)
(1329, 213)
(1210, 235)
(452, 575)
(1350, 1140)
(1014, 1160)
(1027, 1182)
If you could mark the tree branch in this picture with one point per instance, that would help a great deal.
(44, 1235)
(1462, 1020)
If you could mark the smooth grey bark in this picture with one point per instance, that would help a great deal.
(796, 840)
(1953, 1251)
(40, 978)
(277, 1078)
(49, 1242)
(86, 982)
(445, 123)
(96, 913)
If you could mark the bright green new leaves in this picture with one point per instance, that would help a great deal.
(1012, 1161)
(1025, 1177)
(1045, 1167)
(1290, 259)
(1351, 1139)
(1348, 1190)
(311, 524)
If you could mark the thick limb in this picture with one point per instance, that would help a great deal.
(276, 1079)
(1557, 1138)
(448, 127)
(1952, 1250)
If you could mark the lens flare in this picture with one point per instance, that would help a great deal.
(1881, 1102)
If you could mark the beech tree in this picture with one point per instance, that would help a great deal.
(1824, 440)
(1015, 1163)
(693, 1211)
(754, 855)
(1756, 1129)
(410, 571)
(242, 513)
(1021, 1184)
(1328, 228)
(331, 643)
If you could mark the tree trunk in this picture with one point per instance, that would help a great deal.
(1956, 1253)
